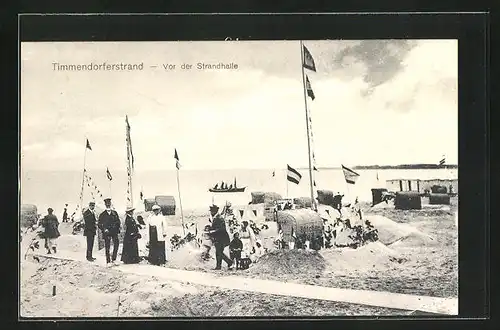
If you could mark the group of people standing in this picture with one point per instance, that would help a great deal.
(242, 246)
(108, 222)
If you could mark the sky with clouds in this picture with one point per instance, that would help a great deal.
(377, 102)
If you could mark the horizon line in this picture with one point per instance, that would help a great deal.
(435, 166)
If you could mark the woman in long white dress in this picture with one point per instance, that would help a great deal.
(157, 234)
(247, 237)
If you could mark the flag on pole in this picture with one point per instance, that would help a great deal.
(308, 60)
(310, 92)
(350, 175)
(108, 174)
(177, 163)
(88, 145)
(293, 175)
(442, 161)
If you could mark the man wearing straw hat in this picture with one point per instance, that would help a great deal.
(109, 224)
(220, 238)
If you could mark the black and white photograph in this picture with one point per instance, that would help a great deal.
(234, 178)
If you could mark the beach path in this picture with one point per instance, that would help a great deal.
(446, 306)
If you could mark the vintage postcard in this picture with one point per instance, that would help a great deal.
(239, 178)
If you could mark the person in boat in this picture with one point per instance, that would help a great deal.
(220, 238)
(110, 225)
(130, 252)
(216, 186)
(157, 234)
(90, 229)
(230, 186)
(51, 230)
(247, 236)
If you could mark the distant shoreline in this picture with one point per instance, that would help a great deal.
(395, 167)
(357, 167)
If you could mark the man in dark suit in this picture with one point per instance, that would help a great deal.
(220, 238)
(90, 228)
(109, 224)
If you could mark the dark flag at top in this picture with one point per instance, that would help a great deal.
(108, 174)
(88, 145)
(310, 92)
(177, 163)
(308, 60)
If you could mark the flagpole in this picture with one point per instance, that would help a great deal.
(180, 204)
(307, 126)
(110, 194)
(83, 173)
(287, 187)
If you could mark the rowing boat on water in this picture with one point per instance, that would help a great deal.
(225, 188)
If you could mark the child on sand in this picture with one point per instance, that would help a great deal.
(235, 248)
(206, 242)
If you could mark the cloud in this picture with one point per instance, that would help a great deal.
(381, 59)
(376, 92)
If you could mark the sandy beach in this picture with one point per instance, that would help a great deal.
(411, 266)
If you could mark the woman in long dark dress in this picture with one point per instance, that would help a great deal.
(157, 234)
(130, 253)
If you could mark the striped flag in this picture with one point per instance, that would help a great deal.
(108, 174)
(310, 92)
(442, 161)
(308, 60)
(88, 145)
(293, 175)
(350, 175)
(177, 163)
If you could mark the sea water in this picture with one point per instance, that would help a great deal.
(55, 189)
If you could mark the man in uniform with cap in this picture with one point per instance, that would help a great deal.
(220, 237)
(90, 229)
(109, 224)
